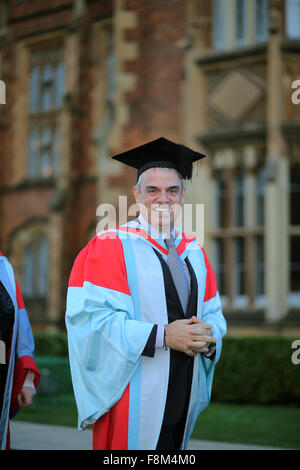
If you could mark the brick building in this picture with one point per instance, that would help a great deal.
(89, 78)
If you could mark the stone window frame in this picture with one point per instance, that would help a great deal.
(240, 22)
(225, 12)
(43, 123)
(293, 229)
(30, 233)
(20, 108)
(250, 234)
(292, 8)
(35, 266)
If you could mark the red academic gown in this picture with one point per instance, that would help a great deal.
(23, 363)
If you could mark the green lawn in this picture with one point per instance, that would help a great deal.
(60, 411)
(275, 426)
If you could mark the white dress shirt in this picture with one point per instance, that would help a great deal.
(156, 234)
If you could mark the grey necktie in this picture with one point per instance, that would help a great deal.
(177, 270)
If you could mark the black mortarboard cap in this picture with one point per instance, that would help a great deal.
(161, 153)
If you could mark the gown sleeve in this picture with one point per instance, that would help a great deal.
(212, 308)
(105, 341)
(24, 353)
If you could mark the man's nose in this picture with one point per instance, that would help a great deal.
(163, 197)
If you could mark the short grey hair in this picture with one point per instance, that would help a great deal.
(139, 181)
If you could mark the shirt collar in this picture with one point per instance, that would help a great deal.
(152, 231)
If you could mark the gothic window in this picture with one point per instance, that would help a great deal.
(294, 239)
(259, 272)
(30, 258)
(46, 97)
(240, 298)
(295, 194)
(261, 20)
(111, 68)
(238, 194)
(294, 296)
(238, 23)
(219, 30)
(220, 198)
(220, 267)
(238, 236)
(35, 267)
(260, 196)
(292, 18)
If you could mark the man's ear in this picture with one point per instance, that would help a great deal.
(136, 194)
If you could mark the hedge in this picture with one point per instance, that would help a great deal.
(55, 376)
(254, 369)
(257, 370)
(51, 344)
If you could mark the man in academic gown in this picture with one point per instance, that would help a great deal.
(144, 319)
(19, 375)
